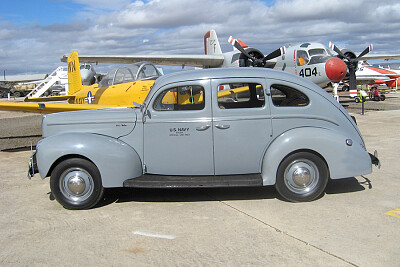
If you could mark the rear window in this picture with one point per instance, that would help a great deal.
(240, 95)
(286, 96)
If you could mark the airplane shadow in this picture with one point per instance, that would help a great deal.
(123, 195)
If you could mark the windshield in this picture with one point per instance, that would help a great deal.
(317, 51)
(108, 79)
(85, 67)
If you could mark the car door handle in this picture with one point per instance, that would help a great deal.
(222, 127)
(203, 128)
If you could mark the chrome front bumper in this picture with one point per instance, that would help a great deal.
(33, 168)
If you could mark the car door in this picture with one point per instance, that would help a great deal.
(178, 132)
(242, 125)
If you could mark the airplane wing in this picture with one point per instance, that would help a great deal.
(176, 60)
(380, 56)
(50, 107)
(50, 98)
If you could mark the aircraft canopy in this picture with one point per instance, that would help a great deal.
(130, 73)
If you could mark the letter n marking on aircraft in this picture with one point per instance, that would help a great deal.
(71, 66)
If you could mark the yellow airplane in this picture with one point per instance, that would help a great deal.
(126, 86)
(121, 87)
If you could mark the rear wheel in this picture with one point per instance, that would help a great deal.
(302, 177)
(76, 184)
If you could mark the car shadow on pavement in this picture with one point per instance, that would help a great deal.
(121, 195)
(347, 185)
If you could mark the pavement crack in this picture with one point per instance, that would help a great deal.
(284, 232)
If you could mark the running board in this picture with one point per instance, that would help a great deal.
(162, 181)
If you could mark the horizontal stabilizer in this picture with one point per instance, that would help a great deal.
(50, 98)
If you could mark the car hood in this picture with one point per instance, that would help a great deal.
(114, 122)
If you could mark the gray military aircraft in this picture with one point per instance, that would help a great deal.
(312, 61)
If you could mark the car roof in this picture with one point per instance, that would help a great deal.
(243, 72)
(220, 73)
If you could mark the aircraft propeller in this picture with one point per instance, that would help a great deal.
(257, 61)
(351, 61)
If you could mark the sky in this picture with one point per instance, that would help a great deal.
(34, 35)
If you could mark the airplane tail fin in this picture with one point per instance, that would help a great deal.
(211, 43)
(74, 74)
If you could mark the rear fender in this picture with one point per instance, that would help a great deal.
(343, 160)
(115, 160)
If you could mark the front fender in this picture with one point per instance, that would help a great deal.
(115, 160)
(343, 161)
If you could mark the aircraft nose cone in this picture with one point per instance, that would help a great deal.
(335, 69)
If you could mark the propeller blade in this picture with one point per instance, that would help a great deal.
(336, 49)
(277, 53)
(236, 44)
(366, 51)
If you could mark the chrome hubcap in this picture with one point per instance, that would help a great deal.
(76, 184)
(301, 176)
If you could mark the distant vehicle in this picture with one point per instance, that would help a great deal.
(376, 95)
(13, 91)
(4, 91)
(201, 129)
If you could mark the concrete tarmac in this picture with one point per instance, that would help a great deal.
(355, 223)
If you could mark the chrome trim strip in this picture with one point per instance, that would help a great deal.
(177, 121)
(241, 119)
(83, 122)
(304, 117)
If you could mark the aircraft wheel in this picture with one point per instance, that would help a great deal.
(76, 184)
(302, 177)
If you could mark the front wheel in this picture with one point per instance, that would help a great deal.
(76, 184)
(302, 177)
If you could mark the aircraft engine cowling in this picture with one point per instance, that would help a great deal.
(393, 83)
(348, 53)
(245, 61)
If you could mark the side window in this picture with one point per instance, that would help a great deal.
(302, 58)
(285, 96)
(190, 97)
(240, 95)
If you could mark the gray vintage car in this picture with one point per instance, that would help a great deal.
(205, 128)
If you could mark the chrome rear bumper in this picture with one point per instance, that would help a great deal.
(374, 159)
